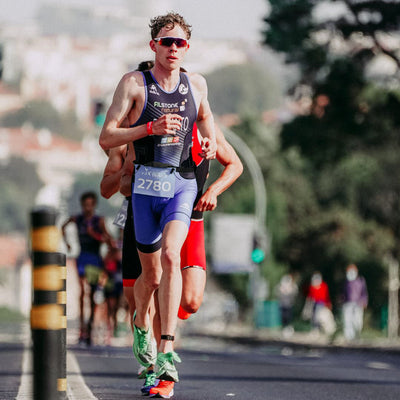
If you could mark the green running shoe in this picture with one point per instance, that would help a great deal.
(165, 368)
(150, 382)
(144, 348)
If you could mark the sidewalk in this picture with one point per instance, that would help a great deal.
(19, 332)
(241, 334)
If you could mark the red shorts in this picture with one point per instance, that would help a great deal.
(193, 251)
(128, 282)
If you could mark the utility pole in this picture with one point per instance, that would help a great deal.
(393, 295)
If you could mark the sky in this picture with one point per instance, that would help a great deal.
(225, 18)
(209, 18)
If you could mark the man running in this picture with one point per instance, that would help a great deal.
(91, 233)
(193, 260)
(166, 103)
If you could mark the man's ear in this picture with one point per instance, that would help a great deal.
(152, 45)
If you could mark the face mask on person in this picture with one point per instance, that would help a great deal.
(316, 280)
(351, 274)
(286, 280)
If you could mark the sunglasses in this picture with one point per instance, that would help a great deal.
(168, 41)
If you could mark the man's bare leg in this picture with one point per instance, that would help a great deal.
(155, 313)
(193, 285)
(81, 310)
(130, 299)
(170, 289)
(145, 286)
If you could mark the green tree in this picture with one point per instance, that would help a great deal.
(335, 51)
(348, 137)
(41, 114)
(91, 182)
(313, 34)
(20, 184)
(242, 89)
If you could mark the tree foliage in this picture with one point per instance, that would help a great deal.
(42, 115)
(20, 183)
(346, 202)
(313, 34)
(242, 89)
(91, 182)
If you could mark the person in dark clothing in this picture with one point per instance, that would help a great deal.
(91, 233)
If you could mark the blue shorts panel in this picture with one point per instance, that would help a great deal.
(85, 259)
(146, 220)
(151, 214)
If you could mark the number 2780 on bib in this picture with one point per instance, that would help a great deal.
(152, 181)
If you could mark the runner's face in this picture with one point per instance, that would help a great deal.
(170, 57)
(88, 206)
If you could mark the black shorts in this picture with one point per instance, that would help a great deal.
(131, 267)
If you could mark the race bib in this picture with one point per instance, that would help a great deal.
(120, 219)
(153, 181)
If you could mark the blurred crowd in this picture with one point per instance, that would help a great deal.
(317, 309)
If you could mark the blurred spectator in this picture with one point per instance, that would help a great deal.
(286, 291)
(355, 300)
(318, 305)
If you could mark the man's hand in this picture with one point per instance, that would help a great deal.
(95, 235)
(125, 186)
(207, 202)
(209, 149)
(167, 124)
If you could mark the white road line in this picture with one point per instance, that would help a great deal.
(76, 386)
(25, 388)
(378, 365)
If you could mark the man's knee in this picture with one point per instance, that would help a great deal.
(191, 303)
(151, 279)
(170, 259)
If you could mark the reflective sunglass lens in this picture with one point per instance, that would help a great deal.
(169, 41)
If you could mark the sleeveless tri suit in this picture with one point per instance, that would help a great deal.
(89, 262)
(164, 186)
(193, 250)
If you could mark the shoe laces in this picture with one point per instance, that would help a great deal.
(168, 357)
(143, 342)
(150, 379)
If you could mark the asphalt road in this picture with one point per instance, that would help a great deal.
(247, 372)
(216, 369)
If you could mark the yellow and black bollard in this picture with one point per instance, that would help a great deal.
(47, 319)
(62, 301)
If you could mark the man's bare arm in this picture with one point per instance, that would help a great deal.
(205, 119)
(227, 156)
(113, 134)
(128, 95)
(68, 221)
(109, 185)
(125, 186)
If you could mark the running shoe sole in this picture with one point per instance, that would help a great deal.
(162, 396)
